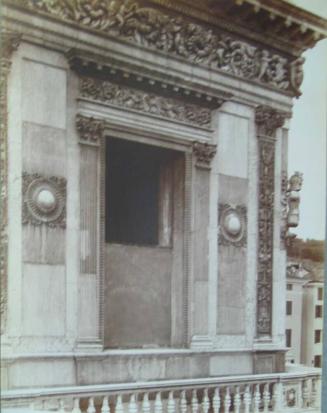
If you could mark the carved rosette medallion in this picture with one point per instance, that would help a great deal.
(267, 121)
(44, 200)
(232, 225)
(204, 153)
(195, 42)
(131, 98)
(9, 43)
(90, 129)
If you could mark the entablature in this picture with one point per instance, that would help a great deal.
(208, 39)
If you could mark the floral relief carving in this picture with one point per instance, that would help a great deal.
(204, 153)
(135, 99)
(149, 27)
(44, 200)
(267, 121)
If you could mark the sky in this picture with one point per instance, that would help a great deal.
(308, 136)
(307, 143)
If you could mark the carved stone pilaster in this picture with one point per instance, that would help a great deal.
(204, 153)
(9, 43)
(267, 121)
(89, 129)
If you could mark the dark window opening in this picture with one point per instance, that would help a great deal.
(289, 307)
(317, 361)
(318, 311)
(320, 293)
(289, 287)
(317, 336)
(288, 333)
(139, 188)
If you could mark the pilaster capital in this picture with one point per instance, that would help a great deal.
(90, 129)
(204, 153)
(268, 120)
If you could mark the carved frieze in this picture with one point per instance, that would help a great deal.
(44, 200)
(89, 129)
(150, 27)
(9, 43)
(127, 97)
(267, 121)
(204, 153)
(232, 225)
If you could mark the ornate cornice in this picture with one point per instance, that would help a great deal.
(150, 27)
(204, 153)
(131, 98)
(268, 120)
(90, 130)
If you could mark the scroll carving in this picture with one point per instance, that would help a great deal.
(149, 27)
(204, 153)
(9, 43)
(44, 200)
(267, 121)
(89, 129)
(135, 99)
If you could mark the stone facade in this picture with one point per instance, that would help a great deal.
(211, 105)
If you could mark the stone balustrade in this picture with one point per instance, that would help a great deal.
(284, 392)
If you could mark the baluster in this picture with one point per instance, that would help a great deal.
(76, 408)
(132, 405)
(216, 401)
(315, 392)
(119, 405)
(171, 403)
(194, 402)
(305, 394)
(91, 408)
(183, 403)
(247, 399)
(105, 405)
(227, 400)
(158, 404)
(237, 400)
(146, 404)
(266, 398)
(278, 397)
(61, 406)
(256, 399)
(205, 401)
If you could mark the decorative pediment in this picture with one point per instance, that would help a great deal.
(173, 33)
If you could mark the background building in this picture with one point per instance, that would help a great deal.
(147, 204)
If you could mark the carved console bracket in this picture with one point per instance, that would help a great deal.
(268, 120)
(44, 200)
(120, 84)
(9, 43)
(204, 153)
(90, 129)
(232, 225)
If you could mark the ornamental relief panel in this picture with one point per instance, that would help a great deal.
(232, 225)
(127, 97)
(152, 28)
(44, 200)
